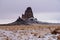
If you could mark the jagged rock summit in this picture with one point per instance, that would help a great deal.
(28, 14)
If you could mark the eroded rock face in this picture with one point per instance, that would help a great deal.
(28, 13)
(19, 21)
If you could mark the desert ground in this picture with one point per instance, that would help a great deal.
(29, 32)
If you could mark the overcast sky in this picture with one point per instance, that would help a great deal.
(44, 10)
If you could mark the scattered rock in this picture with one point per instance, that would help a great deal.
(56, 31)
(58, 37)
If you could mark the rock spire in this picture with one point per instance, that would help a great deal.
(28, 13)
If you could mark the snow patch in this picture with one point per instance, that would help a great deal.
(24, 35)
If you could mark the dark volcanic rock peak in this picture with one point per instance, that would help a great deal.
(28, 13)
